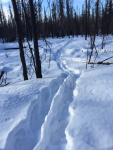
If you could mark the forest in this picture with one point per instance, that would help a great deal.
(58, 19)
(56, 70)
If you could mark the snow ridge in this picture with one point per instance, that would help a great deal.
(58, 117)
(27, 133)
(58, 54)
(69, 137)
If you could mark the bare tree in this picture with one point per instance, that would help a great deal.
(86, 21)
(68, 17)
(97, 15)
(19, 35)
(35, 40)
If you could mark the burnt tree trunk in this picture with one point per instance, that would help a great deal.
(68, 27)
(19, 35)
(86, 22)
(35, 39)
(97, 15)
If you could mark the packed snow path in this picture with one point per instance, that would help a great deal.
(53, 130)
(69, 109)
(86, 127)
(58, 116)
(26, 133)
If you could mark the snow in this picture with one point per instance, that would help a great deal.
(35, 100)
(70, 108)
(58, 117)
(91, 124)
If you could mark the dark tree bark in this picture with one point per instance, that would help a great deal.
(27, 22)
(54, 19)
(39, 16)
(11, 27)
(68, 15)
(110, 15)
(88, 17)
(3, 24)
(28, 29)
(61, 16)
(45, 24)
(97, 15)
(35, 38)
(19, 35)
(86, 22)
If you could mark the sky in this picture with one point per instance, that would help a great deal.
(5, 3)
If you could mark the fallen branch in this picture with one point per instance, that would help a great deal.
(13, 48)
(101, 63)
(107, 59)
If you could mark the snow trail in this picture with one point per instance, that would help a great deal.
(67, 110)
(58, 54)
(58, 117)
(27, 133)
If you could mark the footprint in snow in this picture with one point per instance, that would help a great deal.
(8, 119)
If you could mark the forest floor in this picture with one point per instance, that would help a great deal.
(70, 108)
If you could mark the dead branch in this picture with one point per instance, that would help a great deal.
(101, 63)
(87, 59)
(3, 80)
(13, 48)
(2, 73)
(106, 59)
(92, 46)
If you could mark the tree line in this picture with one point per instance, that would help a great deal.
(30, 21)
(59, 19)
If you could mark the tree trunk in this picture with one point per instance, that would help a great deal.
(35, 38)
(97, 13)
(86, 21)
(19, 35)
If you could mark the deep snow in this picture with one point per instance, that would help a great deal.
(69, 108)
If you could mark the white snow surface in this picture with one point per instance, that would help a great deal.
(70, 108)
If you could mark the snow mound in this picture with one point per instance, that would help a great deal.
(91, 121)
(21, 129)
